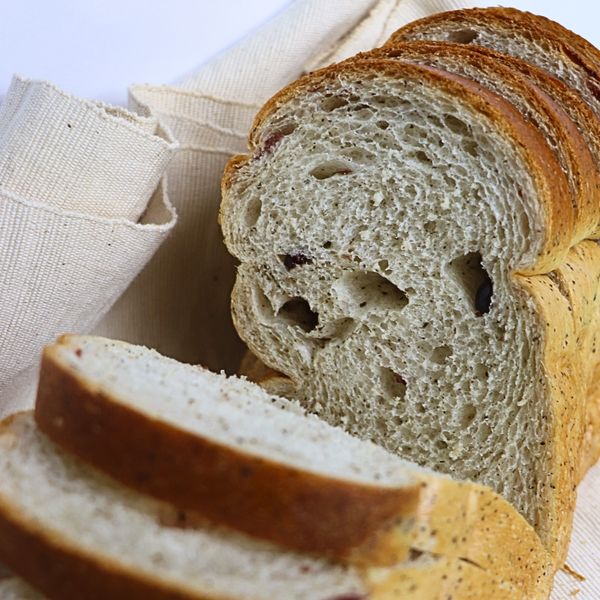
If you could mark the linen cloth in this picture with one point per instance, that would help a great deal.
(70, 246)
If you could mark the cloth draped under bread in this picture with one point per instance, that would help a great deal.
(98, 235)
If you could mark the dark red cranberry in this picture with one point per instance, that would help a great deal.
(483, 297)
(296, 260)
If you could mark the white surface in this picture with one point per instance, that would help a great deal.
(96, 49)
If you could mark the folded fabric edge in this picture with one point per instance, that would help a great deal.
(159, 206)
(121, 116)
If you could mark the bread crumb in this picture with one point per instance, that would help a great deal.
(573, 572)
(575, 592)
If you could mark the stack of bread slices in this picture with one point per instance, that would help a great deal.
(417, 234)
(141, 477)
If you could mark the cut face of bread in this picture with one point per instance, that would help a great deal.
(73, 533)
(535, 104)
(16, 589)
(225, 450)
(390, 226)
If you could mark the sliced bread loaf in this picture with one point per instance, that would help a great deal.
(394, 224)
(73, 533)
(225, 449)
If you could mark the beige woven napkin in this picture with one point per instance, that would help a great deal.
(83, 206)
(69, 246)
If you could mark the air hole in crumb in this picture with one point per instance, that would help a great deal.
(467, 415)
(456, 125)
(339, 329)
(359, 155)
(297, 312)
(334, 102)
(441, 354)
(422, 157)
(382, 124)
(331, 168)
(253, 211)
(327, 245)
(286, 128)
(430, 227)
(469, 273)
(462, 36)
(482, 372)
(392, 383)
(366, 290)
(470, 147)
(441, 444)
(384, 265)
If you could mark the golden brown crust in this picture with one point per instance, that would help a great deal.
(500, 21)
(296, 509)
(448, 578)
(572, 150)
(567, 302)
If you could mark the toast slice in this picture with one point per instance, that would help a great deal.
(227, 451)
(393, 224)
(73, 533)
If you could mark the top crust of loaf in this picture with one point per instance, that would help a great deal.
(561, 58)
(558, 221)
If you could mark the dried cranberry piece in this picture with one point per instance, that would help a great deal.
(269, 145)
(296, 260)
(483, 297)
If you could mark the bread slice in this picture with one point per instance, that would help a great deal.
(558, 129)
(73, 533)
(514, 80)
(580, 44)
(225, 449)
(532, 39)
(382, 205)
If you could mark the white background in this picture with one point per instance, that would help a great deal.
(96, 49)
